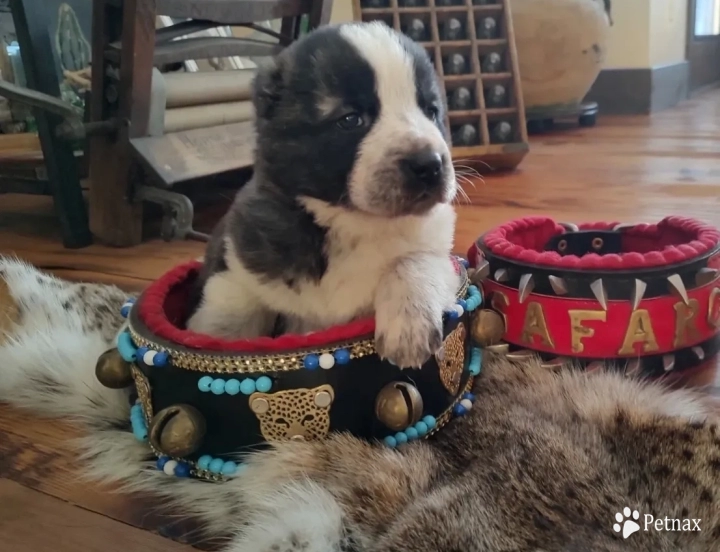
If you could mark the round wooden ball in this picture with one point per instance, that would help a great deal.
(460, 99)
(503, 132)
(453, 29)
(487, 29)
(492, 63)
(416, 30)
(466, 135)
(455, 65)
(496, 96)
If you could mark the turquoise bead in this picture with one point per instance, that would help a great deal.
(430, 421)
(218, 386)
(229, 468)
(203, 462)
(473, 289)
(390, 441)
(204, 383)
(401, 437)
(247, 386)
(421, 428)
(232, 387)
(475, 361)
(216, 465)
(126, 348)
(263, 384)
(412, 433)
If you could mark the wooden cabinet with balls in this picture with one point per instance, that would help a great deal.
(472, 45)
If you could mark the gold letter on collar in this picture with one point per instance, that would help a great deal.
(685, 322)
(535, 325)
(639, 330)
(578, 331)
(714, 308)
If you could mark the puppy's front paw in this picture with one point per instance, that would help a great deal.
(409, 339)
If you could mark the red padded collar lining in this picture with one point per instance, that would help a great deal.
(163, 309)
(672, 240)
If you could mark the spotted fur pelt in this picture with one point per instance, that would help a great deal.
(543, 462)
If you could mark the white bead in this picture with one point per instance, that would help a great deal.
(327, 361)
(466, 404)
(149, 357)
(458, 309)
(169, 467)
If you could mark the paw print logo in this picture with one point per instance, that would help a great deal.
(627, 522)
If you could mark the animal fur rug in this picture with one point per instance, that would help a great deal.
(543, 463)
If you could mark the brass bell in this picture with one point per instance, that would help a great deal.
(113, 371)
(488, 327)
(177, 430)
(399, 405)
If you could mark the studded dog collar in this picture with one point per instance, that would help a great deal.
(645, 296)
(201, 402)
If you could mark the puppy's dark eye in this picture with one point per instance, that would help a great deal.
(432, 113)
(350, 121)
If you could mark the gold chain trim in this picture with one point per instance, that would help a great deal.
(283, 362)
(446, 416)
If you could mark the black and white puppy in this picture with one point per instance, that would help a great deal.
(349, 212)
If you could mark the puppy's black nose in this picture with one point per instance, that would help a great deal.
(424, 167)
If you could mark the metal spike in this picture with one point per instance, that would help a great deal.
(501, 348)
(521, 354)
(595, 366)
(527, 284)
(481, 272)
(558, 284)
(638, 293)
(705, 276)
(633, 368)
(556, 363)
(699, 352)
(624, 226)
(598, 289)
(570, 226)
(668, 362)
(677, 287)
(501, 275)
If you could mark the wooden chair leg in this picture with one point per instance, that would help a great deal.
(40, 64)
(115, 219)
(320, 13)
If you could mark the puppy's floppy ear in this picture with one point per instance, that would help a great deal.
(267, 89)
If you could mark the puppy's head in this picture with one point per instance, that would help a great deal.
(353, 115)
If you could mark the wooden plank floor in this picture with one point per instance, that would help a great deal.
(626, 169)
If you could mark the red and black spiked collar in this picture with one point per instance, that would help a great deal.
(646, 296)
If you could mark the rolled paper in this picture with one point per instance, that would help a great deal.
(487, 29)
(492, 63)
(461, 98)
(502, 132)
(466, 135)
(186, 89)
(483, 2)
(374, 4)
(416, 30)
(411, 3)
(204, 116)
(496, 96)
(455, 65)
(453, 29)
